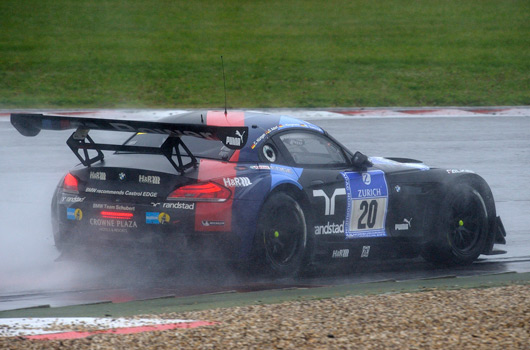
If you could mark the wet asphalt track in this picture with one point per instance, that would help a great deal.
(497, 147)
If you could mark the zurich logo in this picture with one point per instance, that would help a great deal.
(122, 176)
(367, 179)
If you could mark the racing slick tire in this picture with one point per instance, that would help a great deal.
(462, 230)
(58, 239)
(58, 234)
(282, 235)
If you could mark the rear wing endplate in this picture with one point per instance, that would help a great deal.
(31, 125)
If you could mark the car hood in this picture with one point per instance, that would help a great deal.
(394, 165)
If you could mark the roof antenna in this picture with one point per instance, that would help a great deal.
(224, 82)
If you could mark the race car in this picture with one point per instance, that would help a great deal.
(259, 189)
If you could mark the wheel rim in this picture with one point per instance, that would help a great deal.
(466, 222)
(282, 237)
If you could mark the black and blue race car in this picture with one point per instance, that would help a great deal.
(263, 189)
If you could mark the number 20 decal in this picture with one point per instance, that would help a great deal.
(365, 214)
(368, 215)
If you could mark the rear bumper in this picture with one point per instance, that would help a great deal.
(195, 246)
(165, 228)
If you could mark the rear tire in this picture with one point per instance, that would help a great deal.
(462, 230)
(58, 234)
(282, 235)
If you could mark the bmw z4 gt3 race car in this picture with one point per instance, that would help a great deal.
(259, 188)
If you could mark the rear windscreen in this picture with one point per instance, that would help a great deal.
(199, 147)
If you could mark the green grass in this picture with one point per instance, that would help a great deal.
(134, 53)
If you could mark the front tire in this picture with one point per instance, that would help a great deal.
(462, 230)
(282, 235)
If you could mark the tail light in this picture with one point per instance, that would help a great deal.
(201, 192)
(70, 183)
(116, 215)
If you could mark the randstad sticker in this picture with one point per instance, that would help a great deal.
(156, 218)
(74, 214)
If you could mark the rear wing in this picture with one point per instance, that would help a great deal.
(29, 124)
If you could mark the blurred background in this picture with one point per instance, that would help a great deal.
(155, 53)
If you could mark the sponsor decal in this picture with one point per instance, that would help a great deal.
(98, 175)
(113, 223)
(72, 199)
(329, 228)
(163, 218)
(282, 169)
(369, 193)
(457, 171)
(151, 218)
(212, 223)
(122, 176)
(179, 205)
(404, 226)
(329, 208)
(155, 204)
(235, 140)
(260, 167)
(262, 136)
(152, 180)
(237, 182)
(340, 253)
(366, 251)
(366, 205)
(74, 214)
(121, 192)
(112, 206)
(157, 218)
(141, 194)
(367, 178)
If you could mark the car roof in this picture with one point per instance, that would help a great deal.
(260, 125)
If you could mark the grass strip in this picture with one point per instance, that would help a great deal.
(313, 53)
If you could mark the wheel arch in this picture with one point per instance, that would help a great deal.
(295, 190)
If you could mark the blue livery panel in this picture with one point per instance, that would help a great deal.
(285, 174)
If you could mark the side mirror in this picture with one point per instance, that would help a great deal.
(360, 160)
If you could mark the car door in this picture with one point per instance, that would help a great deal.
(346, 203)
(323, 164)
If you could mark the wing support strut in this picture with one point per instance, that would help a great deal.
(172, 147)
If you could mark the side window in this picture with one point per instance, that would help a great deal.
(312, 149)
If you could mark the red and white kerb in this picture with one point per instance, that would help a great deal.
(64, 328)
